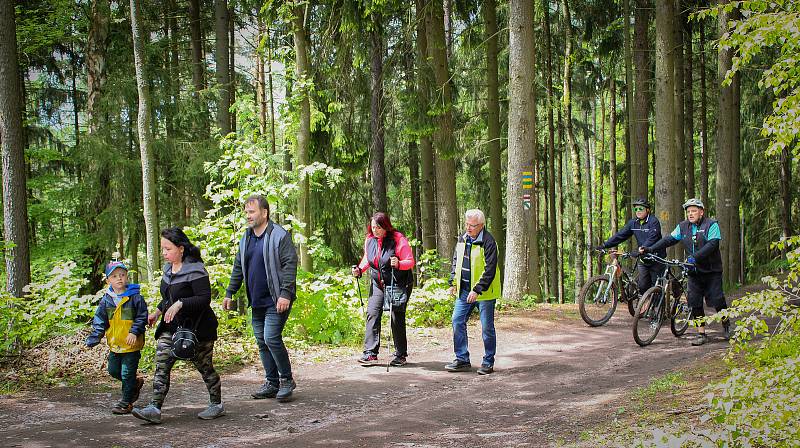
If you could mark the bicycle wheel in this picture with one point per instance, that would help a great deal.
(649, 316)
(597, 301)
(680, 315)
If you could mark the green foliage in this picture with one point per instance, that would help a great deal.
(51, 308)
(431, 305)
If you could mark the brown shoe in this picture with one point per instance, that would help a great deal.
(122, 408)
(139, 384)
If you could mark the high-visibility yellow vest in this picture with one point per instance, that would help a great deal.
(477, 262)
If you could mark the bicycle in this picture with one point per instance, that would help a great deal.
(598, 297)
(669, 292)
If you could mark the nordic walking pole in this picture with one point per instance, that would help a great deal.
(358, 285)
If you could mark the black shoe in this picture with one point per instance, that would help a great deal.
(458, 366)
(268, 390)
(285, 390)
(398, 361)
(726, 328)
(485, 370)
(368, 359)
(700, 339)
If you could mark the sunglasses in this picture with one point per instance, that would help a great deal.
(638, 208)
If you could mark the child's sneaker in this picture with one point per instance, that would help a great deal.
(122, 408)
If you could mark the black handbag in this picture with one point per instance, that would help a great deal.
(394, 296)
(184, 340)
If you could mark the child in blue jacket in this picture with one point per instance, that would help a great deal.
(122, 316)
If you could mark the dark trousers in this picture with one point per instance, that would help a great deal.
(372, 335)
(648, 275)
(705, 286)
(203, 361)
(123, 366)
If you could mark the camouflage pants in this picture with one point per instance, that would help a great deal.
(202, 361)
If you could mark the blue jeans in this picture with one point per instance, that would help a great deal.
(123, 366)
(268, 328)
(461, 313)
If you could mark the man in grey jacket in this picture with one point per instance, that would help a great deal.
(267, 264)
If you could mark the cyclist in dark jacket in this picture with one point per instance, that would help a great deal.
(646, 228)
(700, 237)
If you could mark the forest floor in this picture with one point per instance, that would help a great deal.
(557, 382)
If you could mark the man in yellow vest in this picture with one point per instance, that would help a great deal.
(475, 281)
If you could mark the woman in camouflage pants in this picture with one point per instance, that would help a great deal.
(185, 302)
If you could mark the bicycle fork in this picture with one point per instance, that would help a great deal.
(610, 271)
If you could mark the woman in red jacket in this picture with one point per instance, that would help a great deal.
(389, 258)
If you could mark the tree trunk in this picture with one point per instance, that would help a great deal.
(665, 157)
(428, 173)
(703, 118)
(447, 215)
(688, 108)
(588, 166)
(629, 112)
(232, 66)
(520, 142)
(612, 156)
(198, 65)
(222, 59)
(786, 195)
(15, 201)
(679, 181)
(303, 68)
(272, 134)
(149, 191)
(377, 166)
(728, 149)
(561, 274)
(566, 102)
(413, 147)
(641, 111)
(553, 248)
(261, 89)
(493, 126)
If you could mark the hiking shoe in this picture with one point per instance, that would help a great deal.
(458, 366)
(485, 370)
(122, 408)
(139, 385)
(368, 359)
(268, 390)
(285, 390)
(398, 361)
(213, 411)
(149, 413)
(726, 328)
(700, 339)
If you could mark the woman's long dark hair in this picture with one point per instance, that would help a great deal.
(382, 219)
(175, 235)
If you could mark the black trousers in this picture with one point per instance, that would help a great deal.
(648, 275)
(705, 286)
(372, 335)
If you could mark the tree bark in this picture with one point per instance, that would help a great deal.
(261, 90)
(302, 65)
(553, 252)
(520, 142)
(786, 195)
(566, 102)
(641, 111)
(149, 191)
(12, 142)
(728, 154)
(447, 215)
(274, 137)
(198, 65)
(428, 173)
(703, 118)
(665, 157)
(232, 66)
(222, 60)
(612, 156)
(561, 192)
(493, 125)
(413, 147)
(377, 164)
(679, 181)
(688, 108)
(629, 112)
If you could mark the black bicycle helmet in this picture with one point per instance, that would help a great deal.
(642, 202)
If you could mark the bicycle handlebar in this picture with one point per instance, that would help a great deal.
(673, 262)
(619, 254)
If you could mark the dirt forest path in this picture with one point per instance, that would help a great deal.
(554, 378)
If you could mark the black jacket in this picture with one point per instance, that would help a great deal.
(191, 286)
(489, 244)
(646, 233)
(706, 253)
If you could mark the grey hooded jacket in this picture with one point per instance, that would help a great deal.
(280, 260)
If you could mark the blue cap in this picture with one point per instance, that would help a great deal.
(114, 265)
